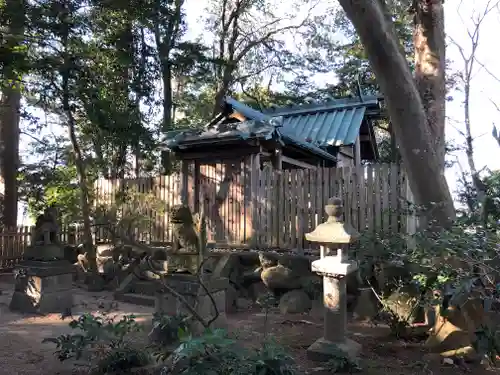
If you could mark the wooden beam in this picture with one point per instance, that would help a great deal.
(185, 182)
(298, 163)
(357, 152)
(254, 192)
(347, 151)
(237, 116)
(278, 159)
(365, 137)
(197, 182)
(214, 155)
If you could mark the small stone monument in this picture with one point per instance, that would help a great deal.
(334, 236)
(44, 278)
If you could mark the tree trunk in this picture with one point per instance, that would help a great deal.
(166, 70)
(10, 106)
(430, 66)
(405, 108)
(79, 163)
(84, 191)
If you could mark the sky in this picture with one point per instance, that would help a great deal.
(485, 87)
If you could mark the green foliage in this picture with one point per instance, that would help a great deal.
(487, 343)
(215, 353)
(169, 330)
(104, 339)
(118, 360)
(341, 363)
(447, 266)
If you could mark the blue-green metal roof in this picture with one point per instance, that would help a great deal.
(334, 123)
(266, 128)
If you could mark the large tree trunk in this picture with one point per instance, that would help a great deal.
(405, 107)
(430, 66)
(10, 106)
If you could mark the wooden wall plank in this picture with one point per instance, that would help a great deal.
(279, 208)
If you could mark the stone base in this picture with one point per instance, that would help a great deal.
(322, 350)
(198, 298)
(43, 287)
(51, 252)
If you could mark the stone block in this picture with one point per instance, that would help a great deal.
(43, 287)
(51, 252)
(198, 298)
(323, 350)
(366, 305)
(226, 265)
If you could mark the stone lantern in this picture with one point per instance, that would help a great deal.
(334, 237)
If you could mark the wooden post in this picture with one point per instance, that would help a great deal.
(411, 220)
(196, 182)
(184, 182)
(278, 160)
(357, 152)
(254, 192)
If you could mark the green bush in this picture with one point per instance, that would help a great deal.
(105, 342)
(216, 353)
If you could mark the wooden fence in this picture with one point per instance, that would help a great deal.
(276, 211)
(13, 241)
(278, 208)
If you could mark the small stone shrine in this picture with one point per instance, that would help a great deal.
(44, 278)
(334, 236)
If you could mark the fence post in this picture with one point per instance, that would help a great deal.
(254, 189)
(411, 220)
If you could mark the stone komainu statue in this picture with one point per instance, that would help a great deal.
(46, 228)
(189, 235)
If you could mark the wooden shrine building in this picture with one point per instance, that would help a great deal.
(244, 140)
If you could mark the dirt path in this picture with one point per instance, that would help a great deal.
(23, 353)
(21, 349)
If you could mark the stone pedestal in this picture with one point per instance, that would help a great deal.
(197, 297)
(44, 252)
(334, 266)
(333, 269)
(43, 287)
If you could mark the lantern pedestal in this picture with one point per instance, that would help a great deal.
(334, 236)
(334, 269)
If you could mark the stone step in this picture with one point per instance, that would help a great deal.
(147, 288)
(136, 299)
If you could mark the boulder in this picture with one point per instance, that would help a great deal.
(268, 259)
(243, 303)
(280, 278)
(313, 286)
(258, 290)
(295, 302)
(228, 267)
(353, 282)
(389, 276)
(231, 297)
(454, 331)
(249, 259)
(299, 264)
(366, 306)
(250, 275)
(404, 303)
(104, 250)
